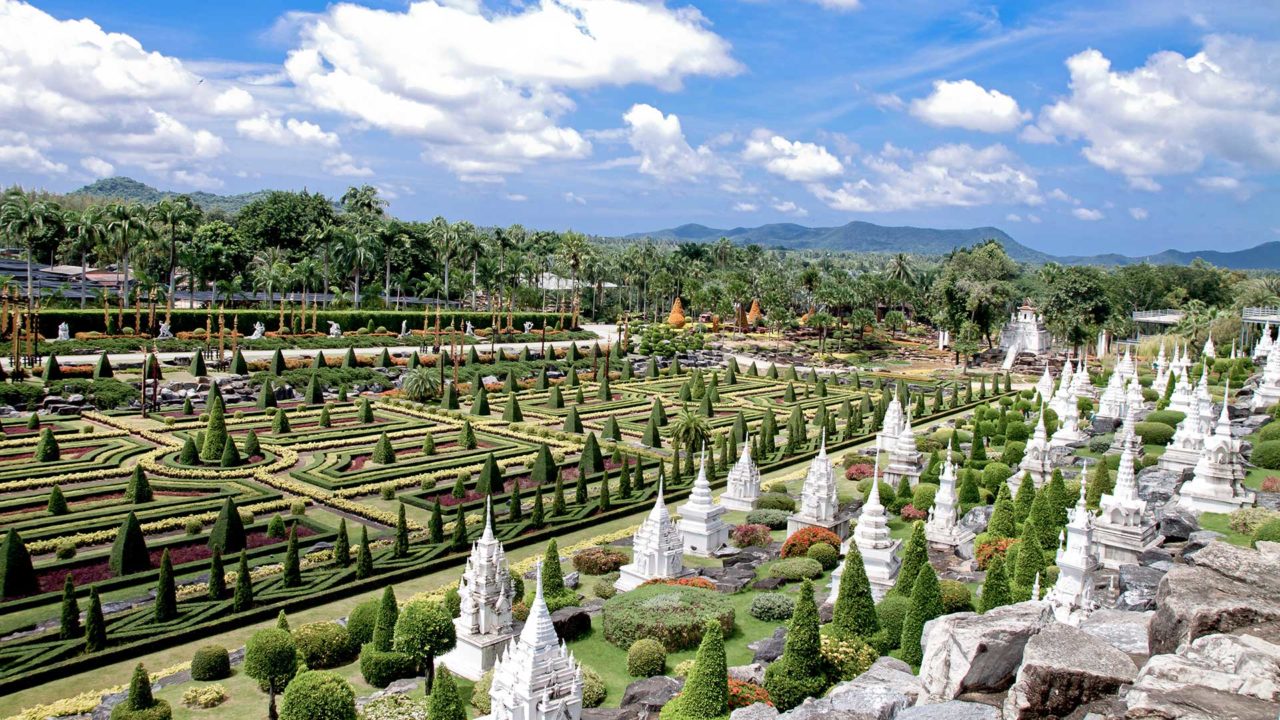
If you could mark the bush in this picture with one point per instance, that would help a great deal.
(205, 696)
(645, 658)
(1268, 532)
(682, 668)
(1270, 431)
(673, 615)
(324, 645)
(1153, 433)
(987, 547)
(318, 695)
(799, 542)
(480, 693)
(794, 569)
(381, 668)
(772, 607)
(847, 657)
(1266, 455)
(773, 519)
(210, 662)
(922, 497)
(955, 597)
(1271, 484)
(826, 555)
(593, 688)
(598, 560)
(361, 621)
(891, 613)
(744, 694)
(751, 536)
(776, 501)
(1166, 417)
(65, 550)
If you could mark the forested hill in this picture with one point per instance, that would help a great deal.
(130, 190)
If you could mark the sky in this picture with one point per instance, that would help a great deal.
(1076, 127)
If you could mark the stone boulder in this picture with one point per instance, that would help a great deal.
(1126, 631)
(977, 519)
(1225, 587)
(848, 702)
(753, 673)
(769, 649)
(1215, 677)
(624, 713)
(755, 711)
(1198, 541)
(950, 710)
(571, 623)
(1157, 485)
(891, 673)
(1138, 585)
(398, 687)
(1177, 524)
(650, 694)
(1063, 668)
(1157, 558)
(966, 652)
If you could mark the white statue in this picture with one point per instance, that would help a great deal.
(470, 330)
(528, 327)
(404, 328)
(165, 332)
(258, 330)
(334, 330)
(64, 331)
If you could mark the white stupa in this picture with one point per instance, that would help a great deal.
(1209, 350)
(1217, 485)
(1124, 528)
(537, 677)
(1081, 383)
(1133, 410)
(484, 625)
(1126, 367)
(1183, 451)
(1062, 395)
(1262, 350)
(1045, 386)
(1111, 405)
(819, 506)
(1072, 594)
(1068, 432)
(702, 520)
(657, 549)
(1183, 390)
(943, 528)
(743, 488)
(891, 426)
(1268, 392)
(1161, 366)
(904, 456)
(1036, 460)
(879, 551)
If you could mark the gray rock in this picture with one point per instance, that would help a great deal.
(769, 649)
(1158, 558)
(398, 687)
(950, 710)
(976, 519)
(753, 673)
(1198, 541)
(650, 694)
(1216, 677)
(894, 674)
(625, 713)
(866, 702)
(1157, 485)
(1123, 630)
(1226, 587)
(966, 652)
(755, 711)
(571, 580)
(768, 584)
(1138, 585)
(571, 623)
(1063, 668)
(1177, 524)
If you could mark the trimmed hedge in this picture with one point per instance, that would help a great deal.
(645, 658)
(772, 607)
(211, 662)
(1166, 417)
(673, 615)
(380, 668)
(598, 560)
(794, 569)
(776, 501)
(324, 645)
(90, 319)
(318, 695)
(777, 519)
(1266, 455)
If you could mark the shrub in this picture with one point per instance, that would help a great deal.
(323, 645)
(955, 597)
(480, 693)
(604, 587)
(1153, 433)
(890, 613)
(848, 657)
(1100, 444)
(682, 668)
(794, 569)
(751, 535)
(318, 695)
(910, 513)
(381, 668)
(205, 696)
(361, 621)
(1268, 532)
(1266, 455)
(772, 607)
(140, 704)
(1166, 417)
(1247, 520)
(772, 519)
(744, 694)
(1271, 484)
(673, 615)
(858, 471)
(776, 501)
(593, 688)
(1270, 431)
(826, 555)
(210, 662)
(799, 542)
(645, 658)
(988, 547)
(598, 560)
(693, 582)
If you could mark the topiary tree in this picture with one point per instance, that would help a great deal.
(292, 575)
(1024, 499)
(342, 545)
(401, 547)
(228, 530)
(926, 604)
(271, 658)
(280, 423)
(995, 588)
(424, 630)
(215, 433)
(69, 627)
(103, 369)
(129, 552)
(1101, 482)
(854, 614)
(230, 456)
(799, 673)
(467, 436)
(211, 662)
(196, 366)
(52, 370)
(383, 452)
(914, 557)
(384, 627)
(364, 556)
(139, 488)
(217, 585)
(95, 624)
(444, 702)
(512, 412)
(706, 689)
(365, 412)
(243, 599)
(647, 657)
(1030, 560)
(166, 605)
(140, 704)
(57, 504)
(1003, 523)
(190, 454)
(47, 447)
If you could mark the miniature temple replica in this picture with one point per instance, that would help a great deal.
(1068, 432)
(905, 459)
(1217, 484)
(1072, 595)
(536, 678)
(484, 625)
(1262, 351)
(1045, 387)
(943, 529)
(818, 504)
(1161, 366)
(1183, 391)
(1025, 333)
(1062, 394)
(1183, 451)
(1111, 406)
(1124, 528)
(891, 426)
(1036, 459)
(656, 550)
(1081, 383)
(1126, 368)
(701, 521)
(743, 488)
(879, 551)
(1268, 391)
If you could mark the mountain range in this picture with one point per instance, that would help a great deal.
(856, 236)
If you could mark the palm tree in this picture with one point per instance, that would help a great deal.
(363, 201)
(175, 212)
(395, 242)
(85, 234)
(127, 226)
(900, 269)
(322, 235)
(270, 269)
(24, 219)
(445, 239)
(690, 429)
(359, 251)
(574, 249)
(470, 245)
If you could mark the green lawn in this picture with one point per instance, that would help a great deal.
(1219, 522)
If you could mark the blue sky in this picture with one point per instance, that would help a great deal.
(1076, 127)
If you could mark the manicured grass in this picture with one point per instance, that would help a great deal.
(1219, 522)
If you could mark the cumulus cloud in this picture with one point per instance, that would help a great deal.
(1062, 196)
(486, 92)
(1087, 214)
(516, 197)
(290, 131)
(966, 104)
(233, 101)
(946, 176)
(97, 166)
(745, 207)
(343, 165)
(18, 152)
(789, 207)
(1138, 213)
(574, 198)
(793, 160)
(664, 152)
(1219, 182)
(1173, 113)
(1013, 217)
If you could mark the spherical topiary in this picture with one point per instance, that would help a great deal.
(1266, 454)
(593, 688)
(645, 658)
(794, 569)
(674, 615)
(324, 645)
(923, 495)
(1153, 433)
(826, 555)
(772, 607)
(1270, 431)
(211, 662)
(318, 695)
(1267, 532)
(777, 519)
(776, 501)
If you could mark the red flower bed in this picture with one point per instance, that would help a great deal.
(991, 548)
(801, 540)
(911, 514)
(750, 535)
(526, 483)
(64, 453)
(448, 500)
(858, 471)
(742, 694)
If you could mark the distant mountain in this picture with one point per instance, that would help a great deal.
(853, 237)
(130, 190)
(1259, 257)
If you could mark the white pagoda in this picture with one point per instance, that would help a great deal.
(1127, 368)
(656, 549)
(1124, 528)
(1026, 331)
(1217, 484)
(1183, 391)
(879, 551)
(904, 456)
(891, 426)
(1036, 460)
(1161, 366)
(1268, 391)
(1183, 451)
(484, 626)
(1209, 350)
(1081, 383)
(943, 528)
(537, 677)
(1072, 594)
(743, 489)
(701, 520)
(1111, 405)
(1045, 386)
(1068, 432)
(1262, 350)
(819, 506)
(1062, 395)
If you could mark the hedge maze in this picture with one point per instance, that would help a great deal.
(137, 536)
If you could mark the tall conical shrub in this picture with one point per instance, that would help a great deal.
(129, 552)
(292, 575)
(364, 558)
(69, 627)
(926, 604)
(95, 624)
(47, 447)
(342, 545)
(166, 605)
(854, 614)
(139, 489)
(17, 576)
(228, 530)
(215, 434)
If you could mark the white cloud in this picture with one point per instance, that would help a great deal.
(574, 198)
(1087, 214)
(343, 165)
(196, 179)
(789, 207)
(290, 131)
(1219, 182)
(664, 152)
(1033, 219)
(97, 166)
(1013, 217)
(19, 152)
(966, 104)
(1173, 113)
(492, 88)
(793, 160)
(1138, 213)
(1062, 196)
(946, 176)
(233, 101)
(1145, 184)
(839, 4)
(888, 101)
(516, 197)
(745, 207)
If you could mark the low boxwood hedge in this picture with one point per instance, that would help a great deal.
(671, 614)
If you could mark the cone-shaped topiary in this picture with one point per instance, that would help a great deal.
(277, 366)
(552, 573)
(215, 433)
(349, 360)
(995, 588)
(318, 361)
(401, 547)
(799, 673)
(571, 422)
(428, 444)
(139, 489)
(458, 539)
(196, 366)
(914, 557)
(230, 456)
(69, 627)
(47, 447)
(188, 408)
(252, 447)
(166, 605)
(444, 703)
(129, 552)
(103, 369)
(280, 423)
(512, 413)
(238, 365)
(854, 614)
(342, 545)
(490, 476)
(515, 510)
(1003, 522)
(52, 370)
(557, 498)
(243, 599)
(324, 420)
(467, 437)
(449, 398)
(544, 466)
(383, 452)
(57, 504)
(1025, 497)
(384, 627)
(33, 421)
(228, 530)
(95, 624)
(217, 585)
(17, 576)
(282, 622)
(365, 413)
(592, 461)
(1030, 560)
(706, 690)
(480, 405)
(315, 392)
(141, 703)
(364, 557)
(1043, 514)
(292, 575)
(926, 604)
